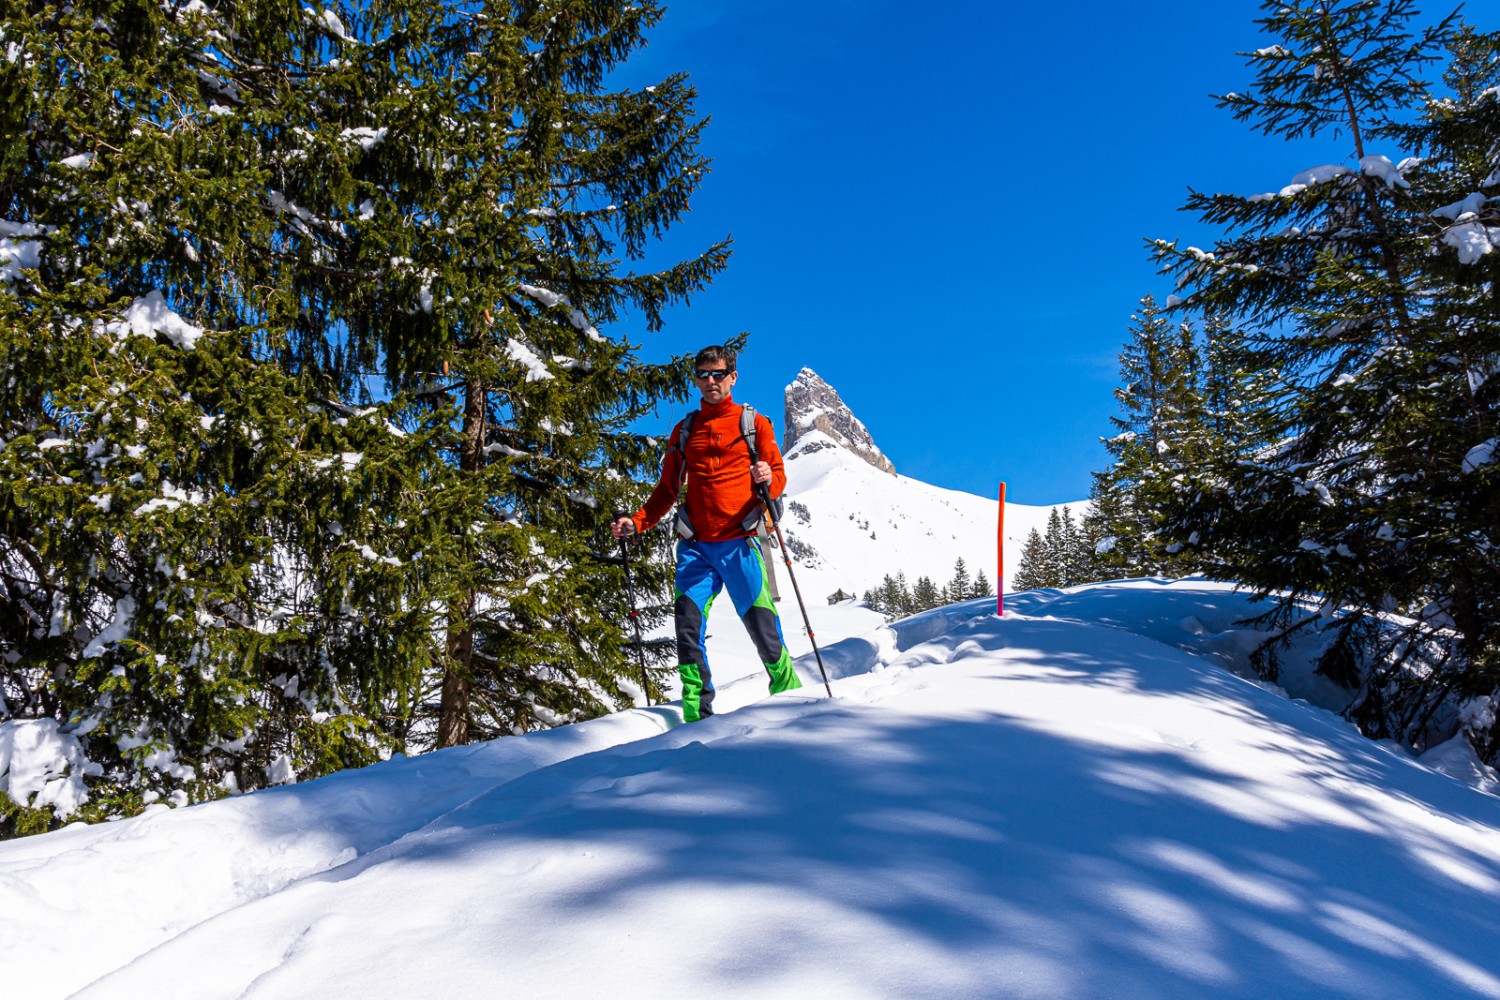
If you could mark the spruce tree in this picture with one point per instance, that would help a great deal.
(1063, 557)
(1034, 571)
(982, 586)
(1056, 540)
(901, 599)
(925, 594)
(211, 563)
(1071, 553)
(1237, 395)
(1369, 286)
(896, 599)
(958, 588)
(307, 408)
(510, 246)
(1158, 438)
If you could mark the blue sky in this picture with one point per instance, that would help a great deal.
(941, 208)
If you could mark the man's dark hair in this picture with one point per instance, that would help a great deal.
(715, 352)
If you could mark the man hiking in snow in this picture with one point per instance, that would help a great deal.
(712, 471)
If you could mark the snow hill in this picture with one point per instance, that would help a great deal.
(1074, 801)
(862, 523)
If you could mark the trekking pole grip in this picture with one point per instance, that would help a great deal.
(763, 494)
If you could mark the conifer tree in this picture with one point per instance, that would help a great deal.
(895, 597)
(1034, 571)
(982, 586)
(1057, 540)
(1236, 394)
(891, 598)
(1369, 285)
(224, 561)
(958, 588)
(212, 579)
(1158, 437)
(1064, 545)
(925, 594)
(558, 177)
(510, 246)
(1078, 560)
(1063, 557)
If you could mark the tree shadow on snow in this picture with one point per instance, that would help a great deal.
(1033, 863)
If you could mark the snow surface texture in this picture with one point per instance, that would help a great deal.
(1074, 801)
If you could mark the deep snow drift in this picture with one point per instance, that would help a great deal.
(1045, 805)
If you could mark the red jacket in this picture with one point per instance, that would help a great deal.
(718, 490)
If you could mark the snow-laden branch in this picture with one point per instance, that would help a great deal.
(150, 315)
(552, 299)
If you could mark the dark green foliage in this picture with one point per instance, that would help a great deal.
(1035, 571)
(1370, 290)
(958, 588)
(205, 560)
(895, 599)
(1161, 436)
(200, 545)
(548, 181)
(1063, 557)
(924, 594)
(982, 586)
(303, 402)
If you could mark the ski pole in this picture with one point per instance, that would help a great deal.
(764, 493)
(635, 616)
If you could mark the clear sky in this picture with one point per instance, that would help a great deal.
(941, 208)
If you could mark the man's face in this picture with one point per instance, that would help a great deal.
(715, 389)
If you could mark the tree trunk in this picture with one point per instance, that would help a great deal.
(453, 711)
(453, 714)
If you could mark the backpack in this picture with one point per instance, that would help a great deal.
(756, 521)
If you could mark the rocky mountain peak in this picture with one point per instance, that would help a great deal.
(814, 405)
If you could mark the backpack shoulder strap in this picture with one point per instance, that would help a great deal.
(756, 521)
(747, 431)
(684, 431)
(679, 445)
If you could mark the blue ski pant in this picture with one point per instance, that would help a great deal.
(703, 569)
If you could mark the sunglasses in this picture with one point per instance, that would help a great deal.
(718, 375)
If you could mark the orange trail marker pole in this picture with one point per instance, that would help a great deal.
(1000, 557)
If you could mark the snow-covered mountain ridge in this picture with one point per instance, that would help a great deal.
(858, 523)
(852, 519)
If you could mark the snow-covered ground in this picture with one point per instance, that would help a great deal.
(1076, 800)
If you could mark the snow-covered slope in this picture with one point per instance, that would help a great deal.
(1075, 801)
(863, 523)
